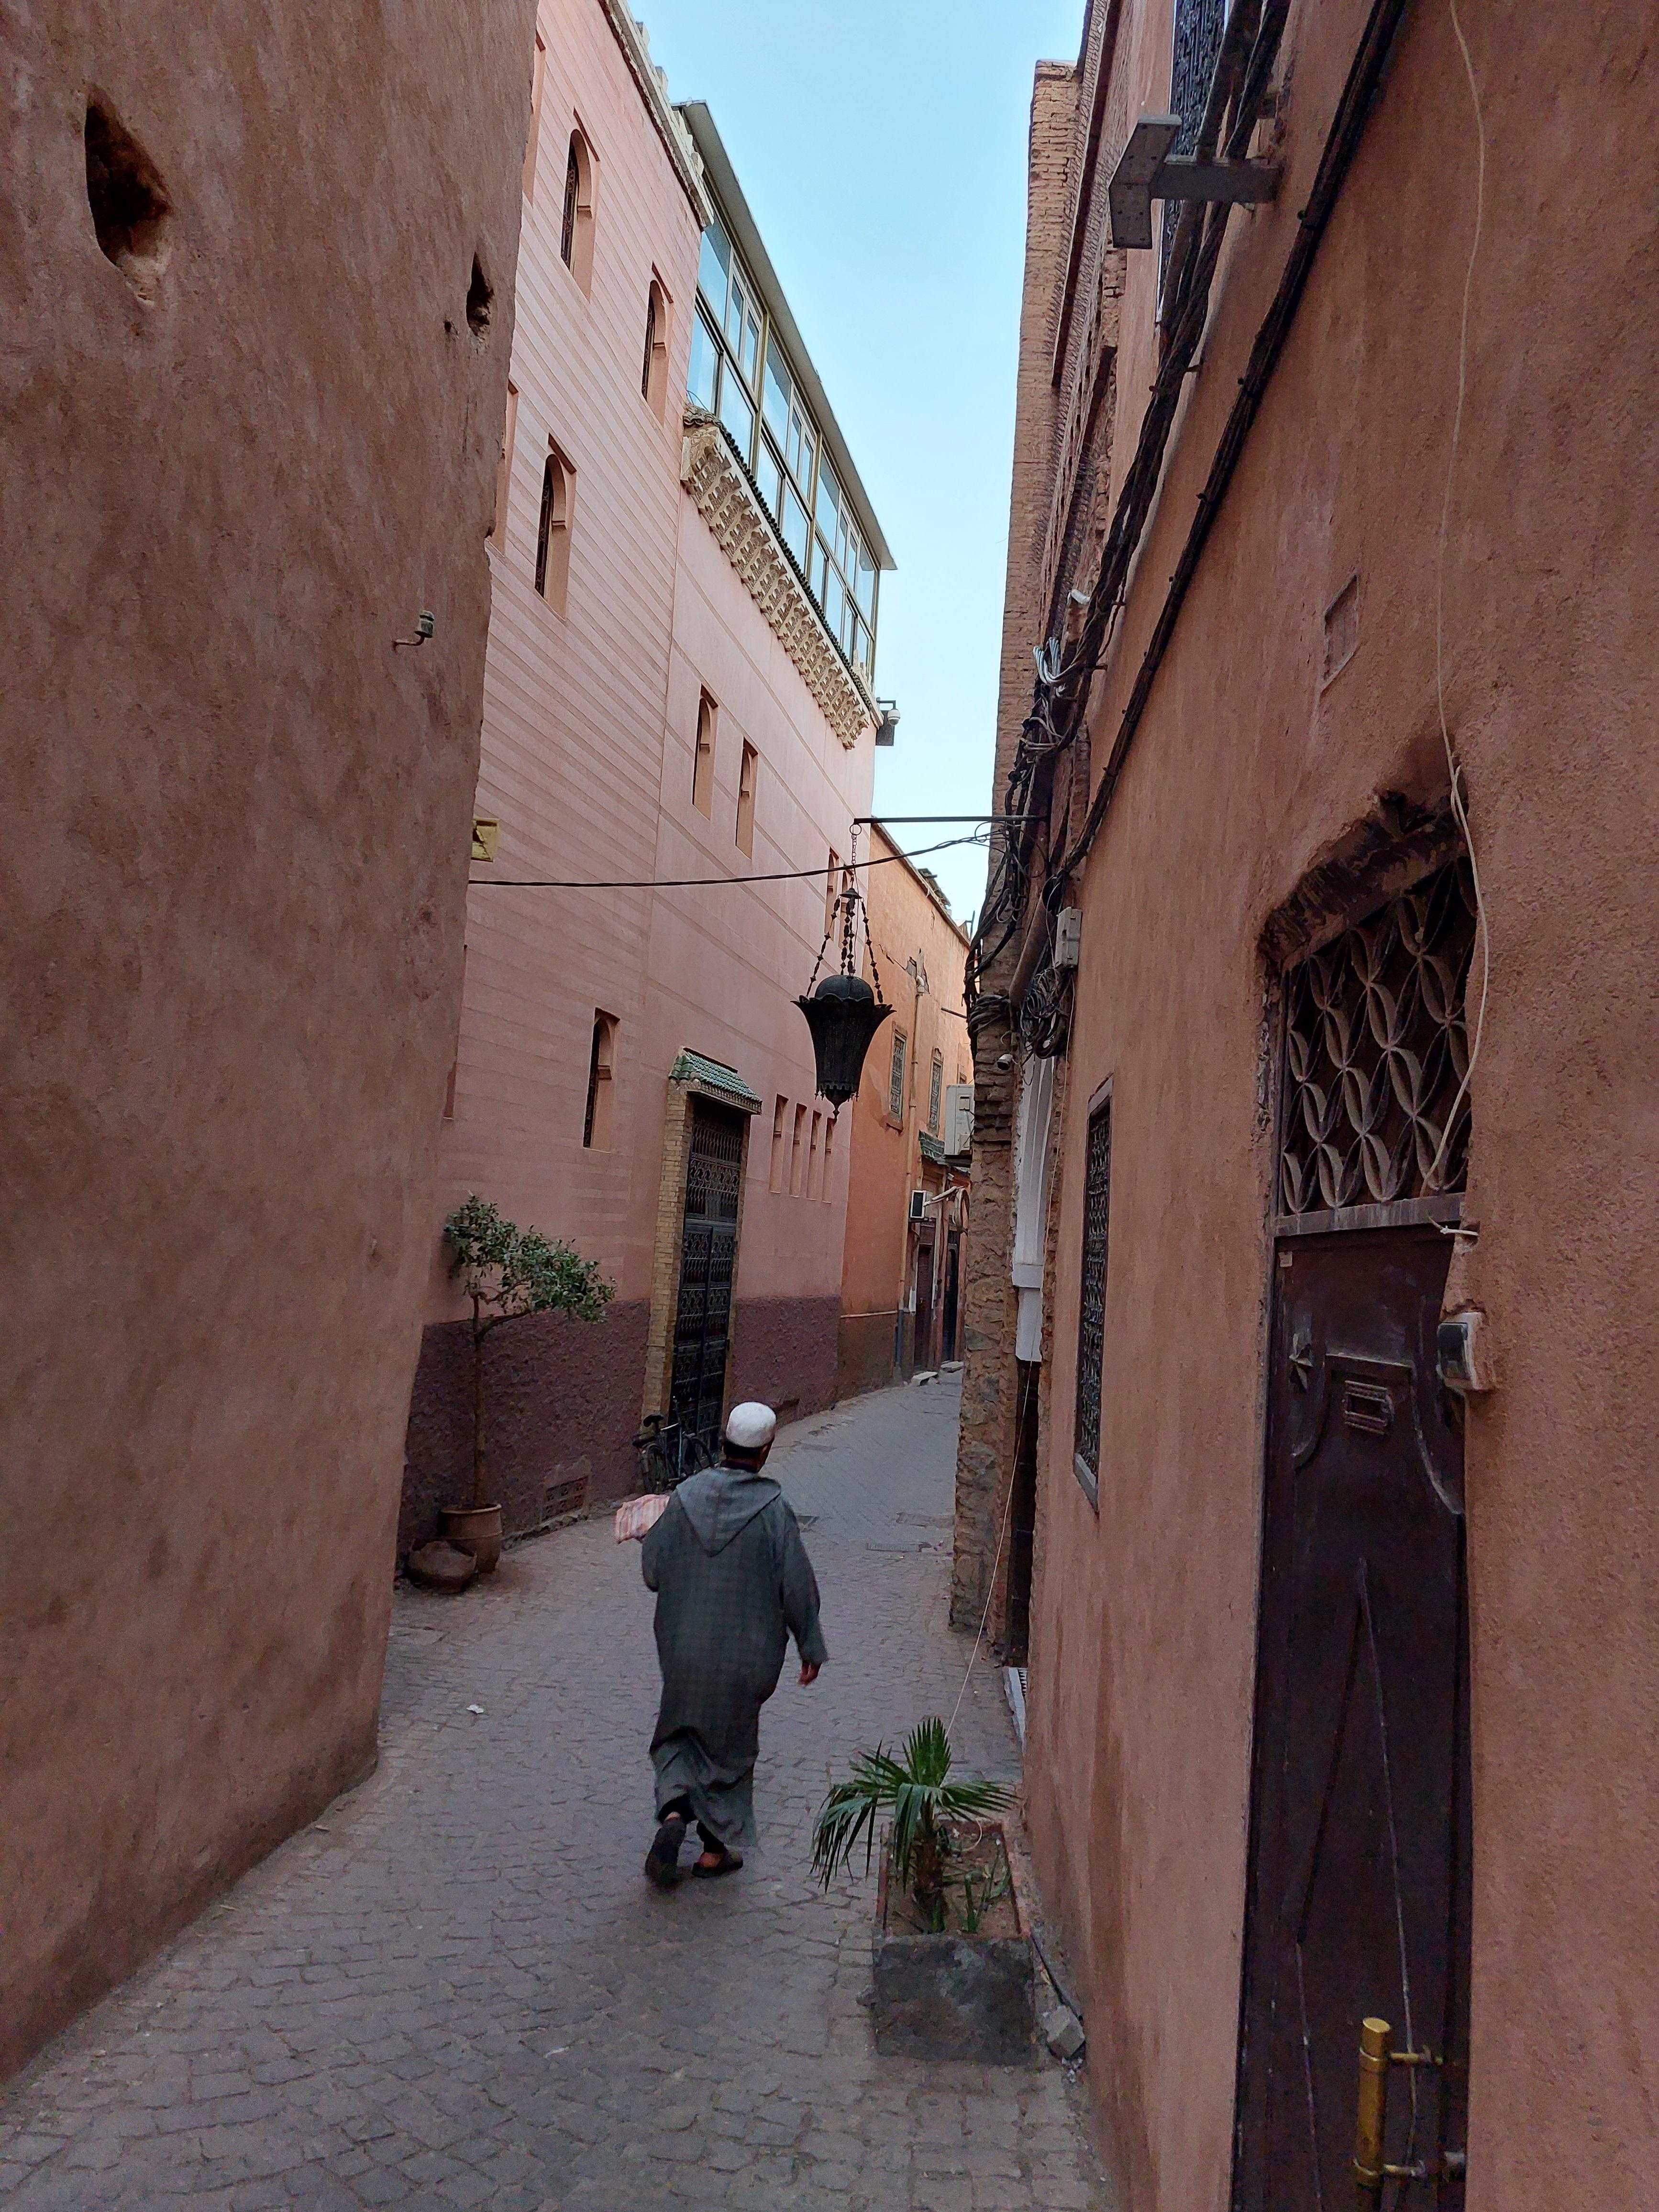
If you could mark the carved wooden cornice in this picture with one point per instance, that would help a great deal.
(722, 493)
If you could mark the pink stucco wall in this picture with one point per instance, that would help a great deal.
(1244, 772)
(590, 720)
(234, 874)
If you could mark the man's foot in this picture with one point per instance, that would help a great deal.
(662, 1861)
(716, 1863)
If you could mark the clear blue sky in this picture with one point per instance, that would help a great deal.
(881, 145)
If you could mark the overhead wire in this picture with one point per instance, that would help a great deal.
(1454, 767)
(700, 883)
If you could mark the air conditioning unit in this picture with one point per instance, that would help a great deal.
(918, 1206)
(958, 1118)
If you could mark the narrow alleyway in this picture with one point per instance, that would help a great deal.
(456, 1989)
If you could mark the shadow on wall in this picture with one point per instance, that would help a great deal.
(561, 1406)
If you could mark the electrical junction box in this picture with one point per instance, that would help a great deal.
(1461, 1353)
(1068, 936)
(958, 1119)
(486, 837)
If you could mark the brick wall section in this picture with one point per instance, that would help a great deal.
(986, 1452)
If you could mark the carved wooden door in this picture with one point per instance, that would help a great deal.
(1360, 1878)
(709, 1259)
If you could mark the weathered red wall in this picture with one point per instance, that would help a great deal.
(1243, 772)
(234, 890)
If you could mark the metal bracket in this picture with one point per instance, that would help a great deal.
(1147, 171)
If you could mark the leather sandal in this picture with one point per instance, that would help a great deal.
(662, 1861)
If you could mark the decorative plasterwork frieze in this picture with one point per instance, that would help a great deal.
(722, 493)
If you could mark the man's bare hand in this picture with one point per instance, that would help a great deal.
(809, 1673)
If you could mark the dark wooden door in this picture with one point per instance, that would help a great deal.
(709, 1259)
(924, 1342)
(1360, 1878)
(952, 1293)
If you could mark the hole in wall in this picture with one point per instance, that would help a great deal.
(479, 299)
(1342, 628)
(131, 213)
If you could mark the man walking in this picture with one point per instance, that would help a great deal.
(733, 1583)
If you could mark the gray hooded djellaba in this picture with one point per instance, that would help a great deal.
(734, 1583)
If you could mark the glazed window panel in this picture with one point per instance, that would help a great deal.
(704, 378)
(895, 1077)
(1091, 1304)
(936, 1094)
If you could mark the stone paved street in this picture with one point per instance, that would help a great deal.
(456, 1989)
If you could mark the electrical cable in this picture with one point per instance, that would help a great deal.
(699, 883)
(1454, 765)
(991, 1590)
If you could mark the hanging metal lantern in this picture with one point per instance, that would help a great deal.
(843, 1012)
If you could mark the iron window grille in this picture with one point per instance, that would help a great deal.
(1198, 26)
(1376, 1101)
(896, 1079)
(1091, 1304)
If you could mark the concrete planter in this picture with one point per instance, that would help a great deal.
(952, 1996)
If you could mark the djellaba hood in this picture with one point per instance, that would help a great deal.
(721, 1501)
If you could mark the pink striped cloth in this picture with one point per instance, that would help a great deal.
(635, 1515)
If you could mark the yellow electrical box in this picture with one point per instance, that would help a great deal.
(486, 836)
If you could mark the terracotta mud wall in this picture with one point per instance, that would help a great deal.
(783, 1353)
(1248, 767)
(562, 1407)
(241, 456)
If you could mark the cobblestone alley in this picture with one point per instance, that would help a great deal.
(456, 1989)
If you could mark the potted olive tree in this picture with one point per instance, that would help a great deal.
(506, 1273)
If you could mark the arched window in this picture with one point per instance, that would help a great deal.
(654, 369)
(576, 223)
(553, 531)
(601, 1074)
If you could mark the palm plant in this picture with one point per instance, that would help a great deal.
(915, 1790)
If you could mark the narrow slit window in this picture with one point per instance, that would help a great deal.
(895, 1077)
(601, 1077)
(828, 1155)
(779, 1112)
(1091, 1305)
(796, 1147)
(702, 766)
(553, 532)
(537, 75)
(813, 1158)
(746, 775)
(577, 218)
(936, 1094)
(654, 369)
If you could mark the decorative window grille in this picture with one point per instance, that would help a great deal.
(936, 1093)
(1091, 1309)
(896, 1079)
(1375, 1054)
(1198, 25)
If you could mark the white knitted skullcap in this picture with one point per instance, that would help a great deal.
(750, 1425)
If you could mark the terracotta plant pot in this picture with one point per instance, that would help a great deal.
(475, 1528)
(442, 1566)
